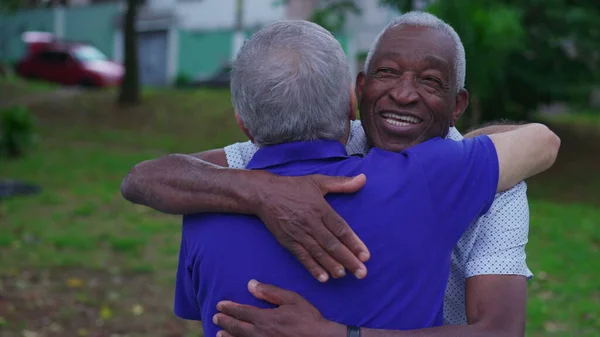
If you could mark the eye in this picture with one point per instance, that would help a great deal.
(433, 80)
(382, 72)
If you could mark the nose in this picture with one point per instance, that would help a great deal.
(404, 91)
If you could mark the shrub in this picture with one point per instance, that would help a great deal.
(182, 80)
(17, 131)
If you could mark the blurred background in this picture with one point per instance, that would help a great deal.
(88, 88)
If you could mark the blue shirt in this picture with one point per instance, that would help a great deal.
(410, 213)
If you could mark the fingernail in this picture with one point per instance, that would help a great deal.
(364, 257)
(219, 334)
(215, 319)
(323, 278)
(340, 273)
(252, 284)
(361, 273)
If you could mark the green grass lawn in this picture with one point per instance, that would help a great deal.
(78, 260)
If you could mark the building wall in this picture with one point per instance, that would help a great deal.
(93, 24)
(218, 14)
(201, 53)
(200, 40)
(13, 25)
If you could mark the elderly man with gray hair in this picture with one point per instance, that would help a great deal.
(292, 93)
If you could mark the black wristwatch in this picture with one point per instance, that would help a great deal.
(353, 331)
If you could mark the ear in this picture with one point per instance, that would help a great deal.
(352, 114)
(243, 127)
(461, 104)
(360, 86)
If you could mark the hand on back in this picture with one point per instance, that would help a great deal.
(295, 211)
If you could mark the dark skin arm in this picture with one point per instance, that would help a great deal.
(180, 184)
(292, 208)
(495, 307)
(185, 184)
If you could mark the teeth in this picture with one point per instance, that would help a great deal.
(397, 123)
(401, 120)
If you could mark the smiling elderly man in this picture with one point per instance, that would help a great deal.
(488, 263)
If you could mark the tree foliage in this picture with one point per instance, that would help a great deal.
(10, 5)
(331, 14)
(490, 33)
(521, 53)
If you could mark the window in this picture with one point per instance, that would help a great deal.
(88, 54)
(52, 57)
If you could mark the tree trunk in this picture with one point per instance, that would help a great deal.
(130, 87)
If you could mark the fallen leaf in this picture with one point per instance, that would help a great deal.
(114, 296)
(29, 333)
(546, 295)
(82, 332)
(105, 312)
(74, 282)
(137, 310)
(554, 326)
(55, 328)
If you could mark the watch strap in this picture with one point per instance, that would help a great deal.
(353, 331)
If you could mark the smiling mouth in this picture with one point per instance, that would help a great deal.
(399, 119)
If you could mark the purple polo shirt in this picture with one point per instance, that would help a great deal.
(411, 213)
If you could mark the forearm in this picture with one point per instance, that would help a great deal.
(495, 306)
(182, 184)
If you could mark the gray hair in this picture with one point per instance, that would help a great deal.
(291, 82)
(423, 19)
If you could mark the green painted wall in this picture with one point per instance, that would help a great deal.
(201, 53)
(343, 39)
(93, 24)
(12, 26)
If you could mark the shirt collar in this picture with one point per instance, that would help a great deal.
(272, 155)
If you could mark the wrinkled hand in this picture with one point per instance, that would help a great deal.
(294, 317)
(295, 211)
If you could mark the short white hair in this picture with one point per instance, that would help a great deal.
(291, 82)
(423, 19)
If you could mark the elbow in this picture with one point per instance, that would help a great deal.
(129, 187)
(552, 145)
(133, 184)
(144, 184)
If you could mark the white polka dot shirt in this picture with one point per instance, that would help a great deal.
(493, 245)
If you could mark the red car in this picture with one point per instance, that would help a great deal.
(68, 63)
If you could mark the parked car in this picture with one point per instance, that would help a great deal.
(67, 63)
